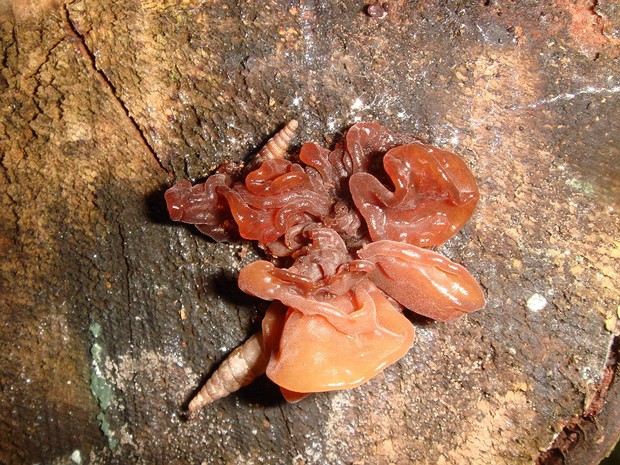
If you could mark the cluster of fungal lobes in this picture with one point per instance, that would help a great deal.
(350, 235)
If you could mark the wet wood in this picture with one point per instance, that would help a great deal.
(112, 315)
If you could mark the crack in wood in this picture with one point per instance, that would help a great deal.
(82, 45)
(48, 53)
(575, 430)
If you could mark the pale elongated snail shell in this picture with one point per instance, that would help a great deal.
(276, 146)
(246, 363)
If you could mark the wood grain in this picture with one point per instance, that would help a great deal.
(111, 315)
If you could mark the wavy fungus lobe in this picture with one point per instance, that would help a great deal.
(354, 225)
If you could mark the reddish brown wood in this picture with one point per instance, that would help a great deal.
(111, 314)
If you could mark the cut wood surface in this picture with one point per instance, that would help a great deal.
(112, 315)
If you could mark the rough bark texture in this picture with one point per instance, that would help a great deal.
(111, 315)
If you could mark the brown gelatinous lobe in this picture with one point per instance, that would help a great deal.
(423, 281)
(349, 232)
(434, 195)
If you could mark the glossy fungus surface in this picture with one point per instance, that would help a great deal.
(348, 233)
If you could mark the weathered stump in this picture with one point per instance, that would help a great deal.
(111, 314)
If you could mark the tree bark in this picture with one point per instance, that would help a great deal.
(111, 315)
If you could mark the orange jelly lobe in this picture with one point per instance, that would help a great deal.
(313, 356)
(423, 281)
(347, 236)
(434, 195)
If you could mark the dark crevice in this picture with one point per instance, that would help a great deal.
(47, 57)
(110, 85)
(130, 400)
(286, 421)
(575, 430)
(127, 271)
